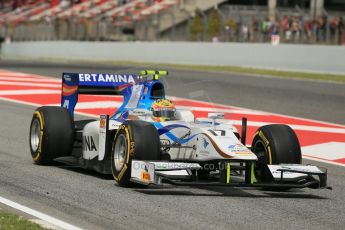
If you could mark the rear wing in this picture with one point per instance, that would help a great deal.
(74, 84)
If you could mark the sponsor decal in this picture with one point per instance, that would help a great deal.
(68, 90)
(125, 86)
(231, 146)
(205, 143)
(138, 112)
(145, 175)
(165, 144)
(302, 168)
(67, 78)
(204, 153)
(132, 148)
(145, 91)
(115, 78)
(89, 144)
(66, 104)
(115, 126)
(103, 123)
(238, 149)
(123, 116)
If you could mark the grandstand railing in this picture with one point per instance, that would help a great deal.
(111, 21)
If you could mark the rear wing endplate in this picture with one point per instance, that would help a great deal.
(74, 84)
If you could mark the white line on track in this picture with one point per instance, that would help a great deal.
(19, 102)
(48, 85)
(29, 91)
(38, 214)
(323, 161)
(295, 127)
(28, 79)
(11, 74)
(25, 75)
(38, 105)
(271, 113)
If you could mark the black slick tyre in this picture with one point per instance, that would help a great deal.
(137, 140)
(51, 134)
(275, 144)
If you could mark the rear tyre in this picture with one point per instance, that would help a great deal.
(275, 144)
(51, 134)
(137, 140)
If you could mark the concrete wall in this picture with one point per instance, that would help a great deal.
(286, 57)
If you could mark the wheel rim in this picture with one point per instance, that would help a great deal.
(261, 172)
(260, 152)
(35, 135)
(120, 152)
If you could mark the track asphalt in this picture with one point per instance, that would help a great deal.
(93, 201)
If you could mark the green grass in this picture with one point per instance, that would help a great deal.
(265, 72)
(236, 69)
(10, 221)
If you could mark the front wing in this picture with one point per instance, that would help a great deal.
(283, 176)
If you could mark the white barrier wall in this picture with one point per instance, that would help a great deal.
(287, 57)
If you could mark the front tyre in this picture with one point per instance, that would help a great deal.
(134, 140)
(275, 144)
(51, 134)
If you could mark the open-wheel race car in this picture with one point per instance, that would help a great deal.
(149, 141)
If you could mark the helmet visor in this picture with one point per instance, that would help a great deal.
(164, 113)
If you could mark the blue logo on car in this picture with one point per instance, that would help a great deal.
(205, 143)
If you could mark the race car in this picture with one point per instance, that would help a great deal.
(148, 141)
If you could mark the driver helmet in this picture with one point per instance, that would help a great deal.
(163, 110)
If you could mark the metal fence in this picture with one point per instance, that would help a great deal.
(249, 26)
(69, 29)
(290, 29)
